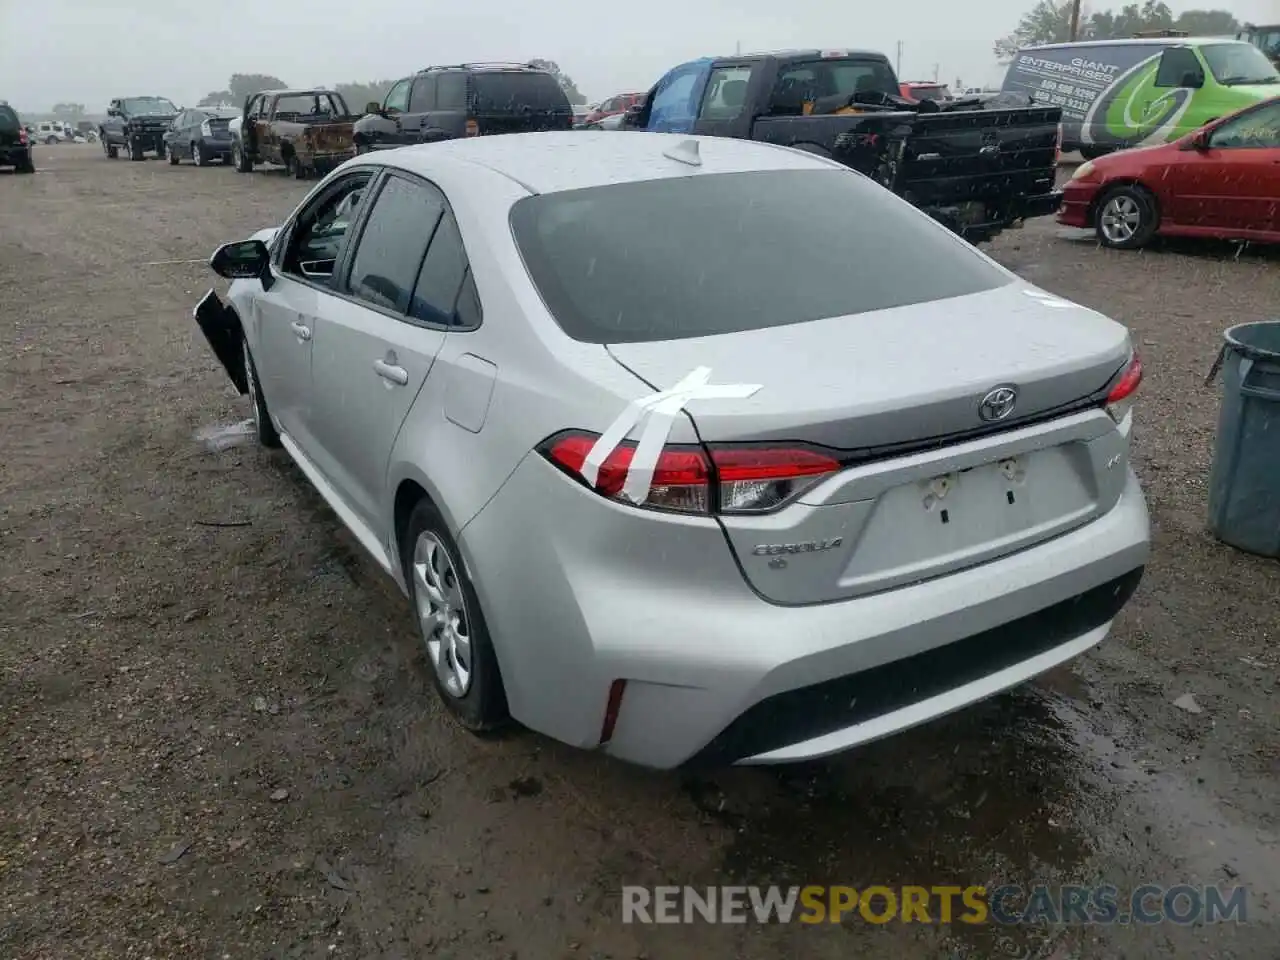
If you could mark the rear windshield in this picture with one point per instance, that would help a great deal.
(512, 92)
(701, 255)
(149, 107)
(8, 120)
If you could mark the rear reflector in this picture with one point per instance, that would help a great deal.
(686, 479)
(1120, 399)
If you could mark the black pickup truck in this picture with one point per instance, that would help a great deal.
(978, 168)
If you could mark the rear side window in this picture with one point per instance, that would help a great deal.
(451, 91)
(503, 92)
(1175, 66)
(701, 255)
(441, 276)
(393, 242)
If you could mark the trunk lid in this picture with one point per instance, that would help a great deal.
(928, 487)
(894, 377)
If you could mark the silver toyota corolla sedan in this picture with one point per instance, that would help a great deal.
(691, 450)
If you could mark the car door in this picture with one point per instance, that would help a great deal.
(422, 102)
(113, 126)
(673, 104)
(1241, 182)
(394, 106)
(285, 324)
(377, 342)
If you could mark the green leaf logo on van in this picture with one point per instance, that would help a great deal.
(1133, 110)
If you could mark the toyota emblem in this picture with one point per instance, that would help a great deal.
(998, 404)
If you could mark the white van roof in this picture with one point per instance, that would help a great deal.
(1136, 42)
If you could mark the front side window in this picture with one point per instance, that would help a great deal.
(703, 255)
(1178, 65)
(390, 251)
(726, 93)
(307, 106)
(1258, 129)
(316, 239)
(397, 100)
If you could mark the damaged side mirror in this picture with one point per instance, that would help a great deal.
(242, 260)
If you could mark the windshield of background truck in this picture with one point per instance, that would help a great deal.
(149, 107)
(311, 105)
(1237, 64)
(1268, 41)
(928, 93)
(816, 79)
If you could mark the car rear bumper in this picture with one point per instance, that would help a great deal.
(216, 146)
(14, 156)
(582, 592)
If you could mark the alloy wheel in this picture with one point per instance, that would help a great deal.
(1121, 217)
(442, 613)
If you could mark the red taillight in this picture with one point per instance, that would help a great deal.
(22, 138)
(745, 479)
(681, 477)
(473, 128)
(1120, 399)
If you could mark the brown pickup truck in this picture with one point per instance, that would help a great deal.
(305, 131)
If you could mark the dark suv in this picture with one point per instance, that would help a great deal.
(15, 145)
(464, 100)
(138, 124)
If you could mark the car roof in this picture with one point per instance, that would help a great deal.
(808, 54)
(1137, 42)
(292, 93)
(569, 160)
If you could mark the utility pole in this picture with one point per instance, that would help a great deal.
(935, 73)
(1075, 20)
(898, 68)
(737, 51)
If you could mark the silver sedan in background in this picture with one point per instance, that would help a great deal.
(677, 452)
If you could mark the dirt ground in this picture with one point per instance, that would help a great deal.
(218, 739)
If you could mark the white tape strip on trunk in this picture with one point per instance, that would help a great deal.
(659, 411)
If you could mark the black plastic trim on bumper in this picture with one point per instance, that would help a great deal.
(795, 716)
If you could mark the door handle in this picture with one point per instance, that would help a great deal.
(391, 373)
(301, 330)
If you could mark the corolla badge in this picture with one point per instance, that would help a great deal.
(998, 404)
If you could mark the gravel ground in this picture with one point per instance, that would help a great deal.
(217, 738)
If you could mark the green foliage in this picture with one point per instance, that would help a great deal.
(1049, 21)
(566, 82)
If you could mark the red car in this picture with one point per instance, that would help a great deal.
(619, 104)
(1223, 181)
(919, 90)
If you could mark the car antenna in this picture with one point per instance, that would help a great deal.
(685, 152)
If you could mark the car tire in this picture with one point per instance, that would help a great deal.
(26, 166)
(109, 150)
(1126, 217)
(1093, 153)
(171, 154)
(447, 610)
(197, 155)
(264, 430)
(241, 161)
(299, 171)
(135, 150)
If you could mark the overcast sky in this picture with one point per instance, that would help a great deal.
(88, 51)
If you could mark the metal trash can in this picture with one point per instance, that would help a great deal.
(1244, 484)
